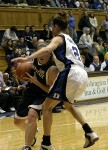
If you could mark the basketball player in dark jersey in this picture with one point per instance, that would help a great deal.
(40, 79)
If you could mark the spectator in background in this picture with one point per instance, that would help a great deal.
(85, 51)
(12, 76)
(83, 60)
(84, 22)
(104, 7)
(45, 3)
(106, 56)
(17, 86)
(3, 101)
(9, 50)
(97, 4)
(70, 3)
(82, 5)
(27, 36)
(22, 2)
(87, 40)
(105, 1)
(2, 2)
(72, 25)
(86, 5)
(104, 25)
(104, 65)
(3, 96)
(34, 42)
(8, 47)
(35, 37)
(46, 34)
(94, 25)
(103, 51)
(14, 2)
(91, 3)
(9, 34)
(22, 46)
(34, 33)
(63, 3)
(96, 64)
(55, 3)
(9, 106)
(99, 45)
(77, 4)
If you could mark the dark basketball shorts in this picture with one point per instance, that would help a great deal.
(27, 102)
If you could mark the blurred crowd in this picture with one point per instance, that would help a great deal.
(93, 49)
(11, 88)
(90, 4)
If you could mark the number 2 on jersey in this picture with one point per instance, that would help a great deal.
(76, 52)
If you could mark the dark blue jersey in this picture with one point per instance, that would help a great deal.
(41, 72)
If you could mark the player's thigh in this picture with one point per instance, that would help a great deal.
(50, 103)
(76, 83)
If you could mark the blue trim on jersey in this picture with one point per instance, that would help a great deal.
(58, 91)
(60, 53)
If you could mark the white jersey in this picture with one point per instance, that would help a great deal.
(72, 78)
(67, 54)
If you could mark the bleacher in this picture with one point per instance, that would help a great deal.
(34, 15)
(38, 15)
(3, 62)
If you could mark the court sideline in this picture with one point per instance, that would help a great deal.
(67, 134)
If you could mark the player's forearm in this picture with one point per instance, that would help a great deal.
(42, 86)
(39, 53)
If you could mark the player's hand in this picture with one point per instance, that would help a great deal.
(32, 79)
(19, 59)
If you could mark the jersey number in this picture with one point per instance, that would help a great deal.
(76, 54)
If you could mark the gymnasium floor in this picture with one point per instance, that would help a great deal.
(67, 134)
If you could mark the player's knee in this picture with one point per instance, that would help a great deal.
(47, 109)
(32, 118)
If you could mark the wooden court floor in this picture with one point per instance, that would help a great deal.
(67, 134)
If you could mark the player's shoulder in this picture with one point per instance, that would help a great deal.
(53, 68)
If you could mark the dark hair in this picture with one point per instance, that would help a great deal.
(13, 28)
(45, 25)
(7, 42)
(21, 36)
(61, 19)
(32, 26)
(26, 27)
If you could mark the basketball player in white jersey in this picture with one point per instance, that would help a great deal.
(70, 82)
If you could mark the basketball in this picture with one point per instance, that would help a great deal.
(22, 69)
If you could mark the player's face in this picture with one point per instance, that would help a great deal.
(54, 30)
(44, 59)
